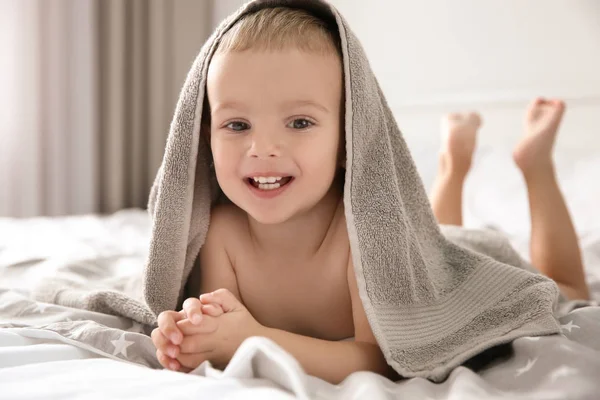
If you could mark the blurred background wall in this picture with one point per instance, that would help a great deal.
(88, 87)
(494, 56)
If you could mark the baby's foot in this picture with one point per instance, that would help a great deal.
(459, 134)
(541, 125)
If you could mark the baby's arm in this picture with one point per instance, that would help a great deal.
(216, 272)
(334, 361)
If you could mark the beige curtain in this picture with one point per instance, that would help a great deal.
(145, 49)
(91, 89)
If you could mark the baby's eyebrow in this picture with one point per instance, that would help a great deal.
(300, 103)
(229, 105)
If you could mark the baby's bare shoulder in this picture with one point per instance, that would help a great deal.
(216, 255)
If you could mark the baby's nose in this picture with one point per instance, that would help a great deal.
(264, 146)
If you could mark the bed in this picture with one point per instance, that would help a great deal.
(39, 360)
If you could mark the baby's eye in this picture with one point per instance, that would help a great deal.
(300, 123)
(237, 126)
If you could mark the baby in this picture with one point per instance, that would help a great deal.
(276, 262)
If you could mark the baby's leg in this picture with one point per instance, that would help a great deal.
(554, 246)
(459, 133)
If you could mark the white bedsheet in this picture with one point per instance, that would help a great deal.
(40, 368)
(260, 370)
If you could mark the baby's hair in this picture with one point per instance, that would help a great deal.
(281, 28)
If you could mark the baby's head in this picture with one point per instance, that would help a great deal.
(275, 94)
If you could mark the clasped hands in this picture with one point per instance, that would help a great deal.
(210, 327)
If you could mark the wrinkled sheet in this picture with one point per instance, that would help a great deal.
(49, 351)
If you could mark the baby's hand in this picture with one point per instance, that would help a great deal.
(224, 324)
(194, 309)
(167, 337)
(174, 325)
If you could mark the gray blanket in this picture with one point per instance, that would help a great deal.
(431, 303)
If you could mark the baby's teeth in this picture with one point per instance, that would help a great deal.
(268, 186)
(269, 179)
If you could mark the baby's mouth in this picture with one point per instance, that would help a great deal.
(270, 184)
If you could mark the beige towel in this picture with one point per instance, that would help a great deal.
(431, 303)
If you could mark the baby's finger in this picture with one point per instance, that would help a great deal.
(209, 324)
(167, 323)
(167, 362)
(193, 310)
(224, 298)
(201, 343)
(214, 310)
(163, 344)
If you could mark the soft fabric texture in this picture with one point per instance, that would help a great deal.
(431, 302)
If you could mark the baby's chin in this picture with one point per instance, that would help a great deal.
(269, 215)
(272, 214)
(264, 219)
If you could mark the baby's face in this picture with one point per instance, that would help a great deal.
(275, 114)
